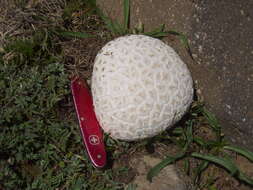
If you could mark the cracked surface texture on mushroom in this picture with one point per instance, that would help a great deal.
(140, 87)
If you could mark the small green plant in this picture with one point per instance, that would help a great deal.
(209, 151)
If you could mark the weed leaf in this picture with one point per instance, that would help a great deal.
(226, 163)
(74, 34)
(108, 22)
(157, 168)
(189, 133)
(183, 39)
(126, 14)
(200, 141)
(156, 31)
(119, 29)
(187, 166)
(178, 131)
(200, 169)
(211, 120)
(113, 26)
(248, 154)
(245, 178)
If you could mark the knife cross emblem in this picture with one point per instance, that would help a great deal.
(94, 140)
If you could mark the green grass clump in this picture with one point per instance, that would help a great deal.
(32, 84)
(39, 148)
(209, 151)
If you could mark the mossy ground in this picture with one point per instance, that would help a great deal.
(40, 144)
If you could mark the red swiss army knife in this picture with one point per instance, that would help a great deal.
(90, 128)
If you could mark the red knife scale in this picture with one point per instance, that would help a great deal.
(90, 128)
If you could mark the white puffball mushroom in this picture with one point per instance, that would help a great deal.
(140, 87)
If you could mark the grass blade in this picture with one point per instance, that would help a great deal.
(246, 153)
(108, 22)
(159, 35)
(183, 39)
(200, 169)
(211, 120)
(156, 31)
(245, 178)
(189, 133)
(109, 25)
(200, 141)
(126, 14)
(119, 29)
(187, 166)
(178, 131)
(203, 166)
(114, 26)
(157, 168)
(74, 34)
(226, 163)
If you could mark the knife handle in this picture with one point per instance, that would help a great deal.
(90, 128)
